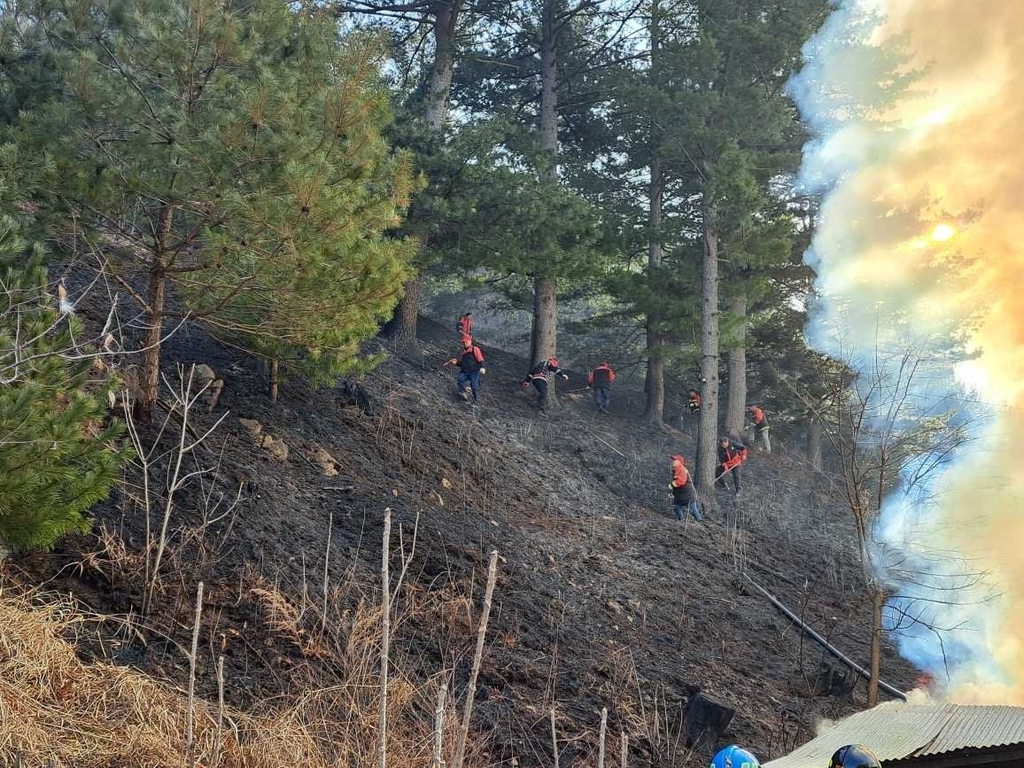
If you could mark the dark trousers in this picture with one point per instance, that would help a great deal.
(721, 474)
(541, 385)
(603, 397)
(473, 379)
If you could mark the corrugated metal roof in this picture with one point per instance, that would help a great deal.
(896, 730)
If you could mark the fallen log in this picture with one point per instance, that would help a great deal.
(835, 652)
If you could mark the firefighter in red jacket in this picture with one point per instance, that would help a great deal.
(600, 380)
(471, 364)
(760, 428)
(684, 495)
(730, 455)
(538, 377)
(464, 325)
(693, 401)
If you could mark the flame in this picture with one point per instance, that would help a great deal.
(944, 158)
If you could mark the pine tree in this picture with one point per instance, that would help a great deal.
(229, 152)
(59, 452)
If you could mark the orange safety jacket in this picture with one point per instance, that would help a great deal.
(601, 376)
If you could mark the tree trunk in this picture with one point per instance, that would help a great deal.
(655, 410)
(545, 289)
(735, 408)
(877, 604)
(814, 443)
(149, 386)
(275, 379)
(156, 297)
(402, 327)
(707, 434)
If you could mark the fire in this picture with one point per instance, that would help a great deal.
(947, 150)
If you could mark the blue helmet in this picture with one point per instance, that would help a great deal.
(734, 757)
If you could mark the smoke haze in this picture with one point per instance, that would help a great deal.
(916, 109)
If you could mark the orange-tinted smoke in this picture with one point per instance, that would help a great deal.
(928, 213)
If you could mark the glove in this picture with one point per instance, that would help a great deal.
(565, 376)
(526, 385)
(483, 370)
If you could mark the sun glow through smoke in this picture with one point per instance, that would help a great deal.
(916, 117)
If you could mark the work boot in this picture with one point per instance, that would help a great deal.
(464, 395)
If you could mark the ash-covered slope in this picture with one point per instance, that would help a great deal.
(603, 598)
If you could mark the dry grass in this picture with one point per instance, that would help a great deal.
(57, 710)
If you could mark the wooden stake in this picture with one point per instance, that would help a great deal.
(554, 737)
(190, 745)
(218, 734)
(327, 562)
(600, 741)
(624, 750)
(442, 693)
(385, 644)
(467, 712)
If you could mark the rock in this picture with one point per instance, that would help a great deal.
(277, 447)
(253, 427)
(324, 460)
(614, 606)
(206, 380)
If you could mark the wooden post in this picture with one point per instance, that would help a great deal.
(554, 737)
(442, 693)
(190, 742)
(467, 713)
(601, 736)
(385, 642)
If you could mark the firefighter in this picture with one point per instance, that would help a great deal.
(600, 380)
(854, 756)
(760, 428)
(730, 455)
(471, 364)
(464, 325)
(538, 377)
(734, 757)
(693, 401)
(684, 495)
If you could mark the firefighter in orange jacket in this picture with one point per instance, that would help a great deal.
(464, 325)
(538, 377)
(761, 428)
(730, 455)
(693, 401)
(684, 495)
(471, 365)
(600, 380)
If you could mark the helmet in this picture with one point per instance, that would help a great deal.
(678, 457)
(734, 757)
(854, 756)
(553, 362)
(724, 439)
(467, 340)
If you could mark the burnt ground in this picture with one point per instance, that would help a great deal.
(603, 598)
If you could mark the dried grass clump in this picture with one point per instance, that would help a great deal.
(56, 710)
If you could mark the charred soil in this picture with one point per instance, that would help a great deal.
(603, 598)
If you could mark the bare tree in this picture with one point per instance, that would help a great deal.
(879, 417)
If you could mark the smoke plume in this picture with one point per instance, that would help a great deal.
(916, 109)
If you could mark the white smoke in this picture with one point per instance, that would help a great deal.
(916, 109)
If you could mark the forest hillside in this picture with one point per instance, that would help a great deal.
(603, 599)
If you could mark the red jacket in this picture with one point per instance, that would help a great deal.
(603, 375)
(680, 474)
(758, 415)
(465, 325)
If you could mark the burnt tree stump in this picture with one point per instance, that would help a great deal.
(706, 720)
